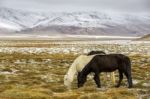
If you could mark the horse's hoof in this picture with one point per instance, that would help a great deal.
(130, 86)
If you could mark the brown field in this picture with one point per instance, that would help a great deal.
(35, 70)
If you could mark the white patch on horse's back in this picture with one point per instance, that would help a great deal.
(82, 61)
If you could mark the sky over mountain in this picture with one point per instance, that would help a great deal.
(78, 5)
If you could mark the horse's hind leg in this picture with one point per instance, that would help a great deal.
(128, 75)
(97, 80)
(120, 78)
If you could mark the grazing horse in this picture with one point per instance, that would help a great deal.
(107, 63)
(77, 66)
(112, 74)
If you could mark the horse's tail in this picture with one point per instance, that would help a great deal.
(128, 71)
(128, 64)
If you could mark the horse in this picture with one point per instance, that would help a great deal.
(112, 74)
(77, 66)
(107, 63)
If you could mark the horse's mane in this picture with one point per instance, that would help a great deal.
(72, 70)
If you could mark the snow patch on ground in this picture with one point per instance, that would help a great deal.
(81, 47)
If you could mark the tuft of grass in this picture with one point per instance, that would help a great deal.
(122, 93)
(94, 96)
(66, 95)
(23, 94)
(35, 78)
(4, 87)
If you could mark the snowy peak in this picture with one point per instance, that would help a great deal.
(102, 22)
(17, 20)
(91, 19)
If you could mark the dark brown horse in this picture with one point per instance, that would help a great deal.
(107, 63)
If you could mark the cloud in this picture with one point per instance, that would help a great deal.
(79, 5)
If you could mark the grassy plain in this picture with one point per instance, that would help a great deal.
(29, 70)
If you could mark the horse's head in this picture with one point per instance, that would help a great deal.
(81, 79)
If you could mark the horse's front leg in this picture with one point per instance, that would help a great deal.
(97, 80)
(120, 78)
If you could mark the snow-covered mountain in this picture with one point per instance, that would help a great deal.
(89, 23)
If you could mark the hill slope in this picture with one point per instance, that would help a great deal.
(145, 38)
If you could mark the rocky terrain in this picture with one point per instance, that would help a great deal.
(35, 69)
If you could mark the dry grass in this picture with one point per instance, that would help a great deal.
(35, 78)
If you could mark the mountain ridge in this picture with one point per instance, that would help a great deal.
(74, 23)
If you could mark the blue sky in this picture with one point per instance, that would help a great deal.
(78, 5)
